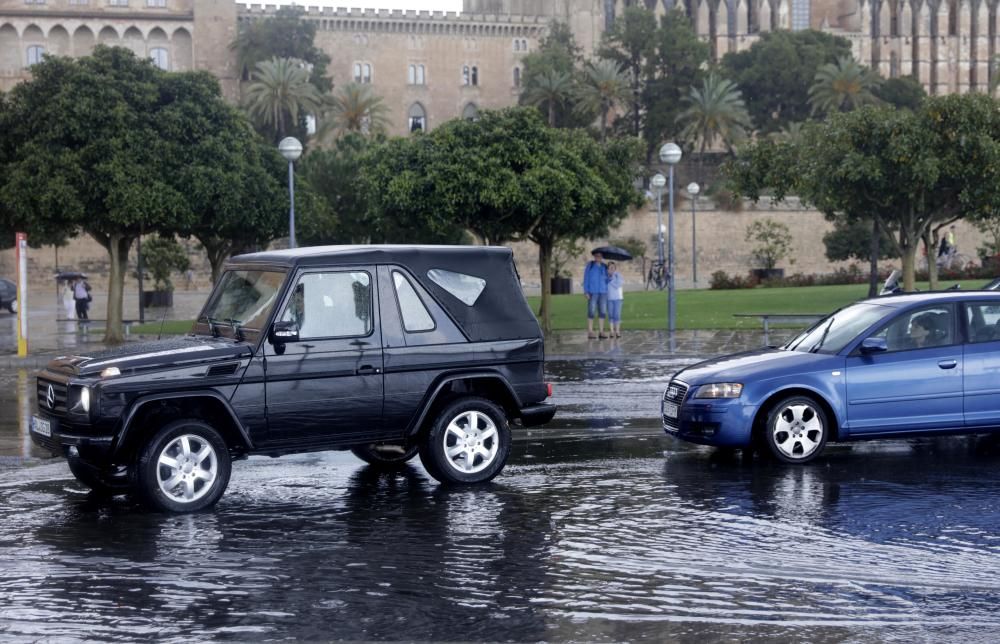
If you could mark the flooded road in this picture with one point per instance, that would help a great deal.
(600, 529)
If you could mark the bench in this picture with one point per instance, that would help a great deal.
(83, 327)
(781, 318)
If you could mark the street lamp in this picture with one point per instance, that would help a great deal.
(658, 181)
(693, 190)
(670, 154)
(291, 149)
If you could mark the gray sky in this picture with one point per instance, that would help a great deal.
(427, 5)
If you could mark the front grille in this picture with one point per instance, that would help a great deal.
(675, 393)
(57, 403)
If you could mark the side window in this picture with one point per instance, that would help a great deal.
(984, 321)
(920, 329)
(466, 288)
(415, 316)
(331, 305)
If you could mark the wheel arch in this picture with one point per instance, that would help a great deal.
(772, 399)
(487, 384)
(159, 409)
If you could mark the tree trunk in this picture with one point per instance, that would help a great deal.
(117, 247)
(932, 267)
(604, 125)
(909, 257)
(873, 258)
(218, 252)
(545, 271)
(552, 113)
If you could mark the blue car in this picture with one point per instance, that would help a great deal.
(891, 367)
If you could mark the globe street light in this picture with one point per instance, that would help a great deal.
(693, 190)
(291, 149)
(658, 181)
(670, 154)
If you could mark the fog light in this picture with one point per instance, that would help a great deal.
(73, 451)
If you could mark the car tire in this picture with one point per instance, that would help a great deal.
(796, 429)
(184, 468)
(12, 306)
(386, 455)
(101, 482)
(475, 424)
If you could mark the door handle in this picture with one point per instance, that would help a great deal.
(368, 370)
(948, 364)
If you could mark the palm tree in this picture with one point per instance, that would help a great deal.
(550, 89)
(279, 93)
(843, 86)
(791, 133)
(714, 112)
(604, 88)
(354, 107)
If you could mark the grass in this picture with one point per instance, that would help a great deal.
(696, 309)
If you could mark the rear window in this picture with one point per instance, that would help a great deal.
(415, 315)
(466, 288)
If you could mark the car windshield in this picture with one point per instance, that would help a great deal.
(834, 332)
(242, 301)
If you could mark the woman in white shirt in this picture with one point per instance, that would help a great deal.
(615, 299)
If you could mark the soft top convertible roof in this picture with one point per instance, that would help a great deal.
(500, 312)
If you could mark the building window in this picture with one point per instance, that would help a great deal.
(156, 3)
(517, 45)
(471, 112)
(160, 58)
(34, 1)
(366, 76)
(357, 72)
(117, 3)
(418, 118)
(465, 75)
(415, 75)
(524, 45)
(800, 15)
(475, 76)
(80, 2)
(420, 75)
(517, 77)
(35, 53)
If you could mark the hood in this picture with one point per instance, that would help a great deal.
(758, 364)
(146, 356)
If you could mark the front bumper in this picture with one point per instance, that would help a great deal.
(723, 423)
(62, 436)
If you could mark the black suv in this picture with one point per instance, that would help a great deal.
(383, 350)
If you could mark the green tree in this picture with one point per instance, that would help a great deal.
(631, 42)
(842, 86)
(775, 73)
(333, 174)
(354, 107)
(162, 256)
(603, 89)
(904, 92)
(714, 112)
(852, 239)
(557, 54)
(773, 242)
(550, 91)
(279, 95)
(285, 35)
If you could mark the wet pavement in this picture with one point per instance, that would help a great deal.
(600, 529)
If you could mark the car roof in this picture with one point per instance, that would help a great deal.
(363, 254)
(907, 299)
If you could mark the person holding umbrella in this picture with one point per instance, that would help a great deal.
(595, 289)
(616, 298)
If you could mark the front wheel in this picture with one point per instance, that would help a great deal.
(12, 306)
(796, 430)
(468, 443)
(386, 455)
(185, 468)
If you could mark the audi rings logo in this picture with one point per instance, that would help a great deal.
(671, 392)
(50, 397)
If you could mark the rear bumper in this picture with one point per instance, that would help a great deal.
(539, 414)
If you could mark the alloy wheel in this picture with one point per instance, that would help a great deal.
(798, 431)
(471, 442)
(187, 468)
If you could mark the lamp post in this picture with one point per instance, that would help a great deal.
(291, 149)
(658, 181)
(670, 154)
(693, 190)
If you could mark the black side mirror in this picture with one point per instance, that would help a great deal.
(282, 332)
(873, 345)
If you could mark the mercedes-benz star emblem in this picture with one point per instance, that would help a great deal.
(50, 397)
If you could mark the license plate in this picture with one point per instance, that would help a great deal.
(670, 410)
(41, 426)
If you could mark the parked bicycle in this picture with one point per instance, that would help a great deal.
(657, 276)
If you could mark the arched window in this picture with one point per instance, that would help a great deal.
(357, 72)
(475, 76)
(517, 77)
(420, 75)
(160, 58)
(517, 45)
(411, 75)
(465, 75)
(524, 45)
(35, 53)
(418, 118)
(367, 77)
(471, 112)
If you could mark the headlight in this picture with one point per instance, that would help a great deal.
(85, 399)
(111, 371)
(720, 390)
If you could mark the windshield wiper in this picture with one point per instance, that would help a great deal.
(212, 322)
(237, 329)
(816, 347)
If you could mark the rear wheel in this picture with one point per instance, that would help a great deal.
(796, 430)
(386, 454)
(12, 306)
(468, 443)
(102, 481)
(185, 468)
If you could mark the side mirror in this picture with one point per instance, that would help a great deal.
(873, 345)
(282, 332)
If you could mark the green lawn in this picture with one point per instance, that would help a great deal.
(700, 309)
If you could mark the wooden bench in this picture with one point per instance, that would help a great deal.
(83, 327)
(781, 318)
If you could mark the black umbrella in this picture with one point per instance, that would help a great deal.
(70, 275)
(613, 252)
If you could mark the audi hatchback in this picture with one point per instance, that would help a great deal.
(909, 365)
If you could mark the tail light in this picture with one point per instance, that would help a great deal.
(548, 390)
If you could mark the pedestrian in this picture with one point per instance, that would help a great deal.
(69, 305)
(81, 294)
(616, 297)
(595, 288)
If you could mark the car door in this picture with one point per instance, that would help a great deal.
(916, 384)
(327, 385)
(982, 363)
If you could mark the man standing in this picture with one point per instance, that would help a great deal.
(595, 288)
(82, 296)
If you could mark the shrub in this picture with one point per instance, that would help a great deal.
(722, 281)
(774, 242)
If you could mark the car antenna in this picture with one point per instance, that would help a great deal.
(163, 317)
